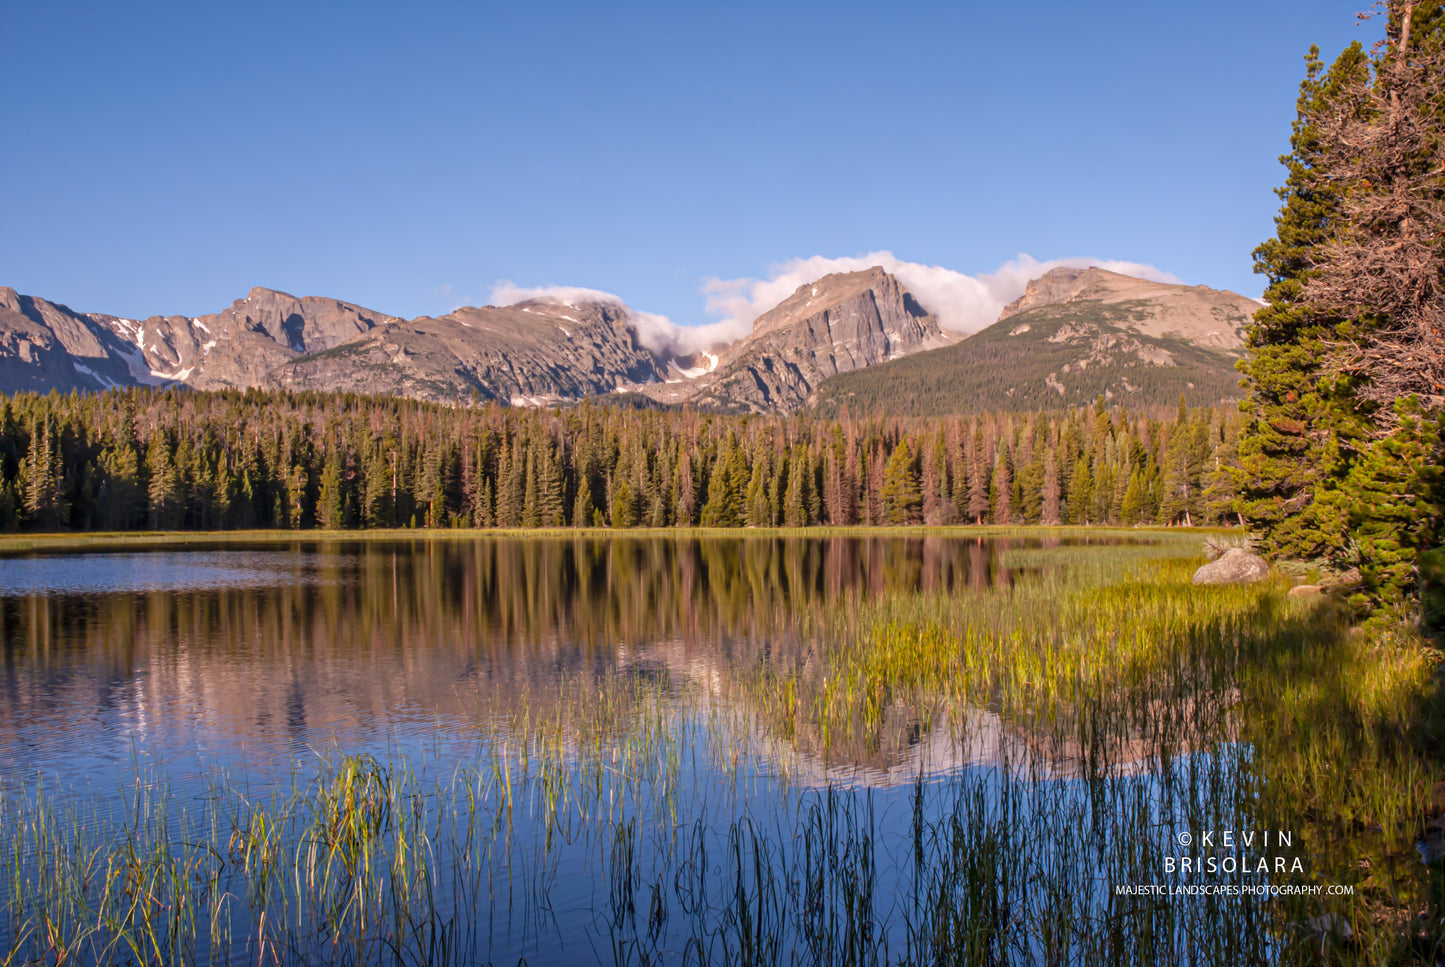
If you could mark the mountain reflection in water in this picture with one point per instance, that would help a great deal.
(241, 655)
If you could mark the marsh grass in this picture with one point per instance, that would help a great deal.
(1102, 704)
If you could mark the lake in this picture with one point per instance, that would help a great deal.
(615, 749)
(242, 656)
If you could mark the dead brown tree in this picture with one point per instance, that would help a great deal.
(1385, 144)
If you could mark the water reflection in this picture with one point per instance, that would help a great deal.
(135, 573)
(222, 653)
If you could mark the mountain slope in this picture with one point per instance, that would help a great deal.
(242, 346)
(44, 345)
(531, 353)
(1074, 336)
(1197, 313)
(840, 323)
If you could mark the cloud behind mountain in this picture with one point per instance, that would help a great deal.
(963, 303)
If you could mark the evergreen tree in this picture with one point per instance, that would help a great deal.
(1399, 511)
(582, 507)
(723, 504)
(901, 499)
(1385, 143)
(165, 507)
(1081, 492)
(1001, 488)
(1052, 493)
(123, 502)
(41, 478)
(623, 504)
(530, 515)
(1299, 420)
(832, 486)
(852, 477)
(1132, 510)
(686, 502)
(330, 502)
(1031, 488)
(934, 483)
(795, 509)
(757, 513)
(277, 460)
(978, 481)
(511, 489)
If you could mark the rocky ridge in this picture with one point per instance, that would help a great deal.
(840, 323)
(530, 354)
(533, 353)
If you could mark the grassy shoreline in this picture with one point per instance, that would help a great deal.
(20, 543)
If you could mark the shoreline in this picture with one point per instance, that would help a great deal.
(23, 543)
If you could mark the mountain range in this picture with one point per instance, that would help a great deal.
(856, 339)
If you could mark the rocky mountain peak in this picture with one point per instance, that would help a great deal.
(261, 294)
(828, 292)
(841, 322)
(1059, 285)
(1197, 313)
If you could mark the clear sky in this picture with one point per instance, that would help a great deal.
(165, 158)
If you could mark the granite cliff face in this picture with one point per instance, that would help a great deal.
(532, 353)
(244, 345)
(46, 346)
(838, 324)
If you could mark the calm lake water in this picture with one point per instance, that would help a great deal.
(242, 656)
(229, 677)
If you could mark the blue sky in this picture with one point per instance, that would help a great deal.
(166, 158)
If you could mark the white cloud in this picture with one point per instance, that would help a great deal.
(505, 293)
(657, 332)
(962, 303)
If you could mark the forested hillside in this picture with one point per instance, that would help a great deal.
(177, 459)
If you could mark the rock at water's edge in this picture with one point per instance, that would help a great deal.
(1235, 566)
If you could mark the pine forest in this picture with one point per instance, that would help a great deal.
(181, 460)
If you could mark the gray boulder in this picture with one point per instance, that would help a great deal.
(1235, 566)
